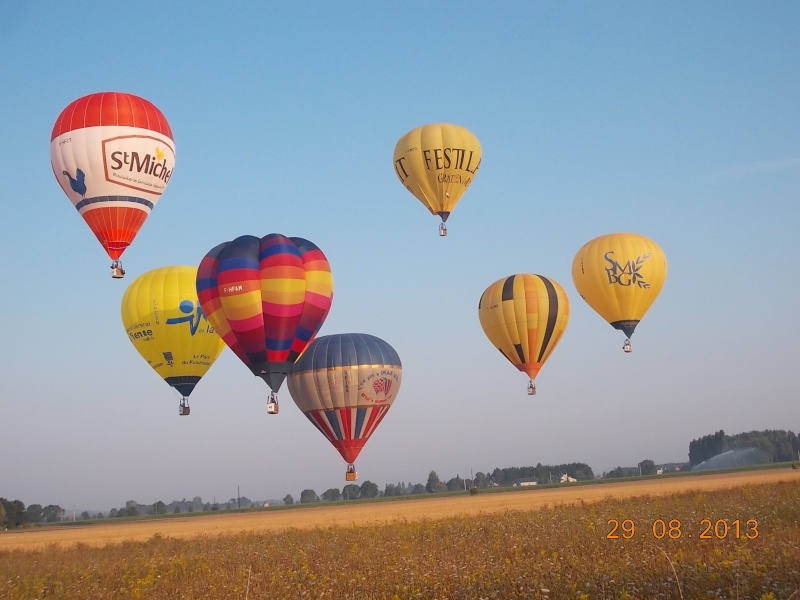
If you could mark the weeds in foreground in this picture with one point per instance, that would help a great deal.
(657, 550)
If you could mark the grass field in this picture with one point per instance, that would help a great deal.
(733, 535)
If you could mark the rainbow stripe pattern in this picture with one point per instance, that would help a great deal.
(267, 298)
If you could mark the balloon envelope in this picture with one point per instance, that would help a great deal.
(524, 316)
(113, 155)
(267, 297)
(437, 163)
(164, 322)
(620, 275)
(345, 385)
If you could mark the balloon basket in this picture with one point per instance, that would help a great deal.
(117, 272)
(272, 404)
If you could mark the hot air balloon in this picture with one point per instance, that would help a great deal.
(166, 325)
(437, 163)
(345, 384)
(267, 297)
(620, 275)
(524, 316)
(113, 155)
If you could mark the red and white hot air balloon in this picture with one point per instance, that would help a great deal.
(113, 155)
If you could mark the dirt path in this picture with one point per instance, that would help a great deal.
(378, 512)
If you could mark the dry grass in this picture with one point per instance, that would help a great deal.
(549, 543)
(324, 515)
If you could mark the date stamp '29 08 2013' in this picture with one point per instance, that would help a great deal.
(673, 529)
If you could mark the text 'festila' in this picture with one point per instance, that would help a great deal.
(437, 159)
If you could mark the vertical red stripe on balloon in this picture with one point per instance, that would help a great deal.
(318, 418)
(115, 227)
(111, 108)
(376, 414)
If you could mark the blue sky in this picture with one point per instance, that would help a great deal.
(676, 120)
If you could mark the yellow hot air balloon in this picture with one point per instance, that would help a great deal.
(437, 163)
(620, 276)
(164, 321)
(524, 316)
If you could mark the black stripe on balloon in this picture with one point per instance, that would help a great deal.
(552, 314)
(520, 353)
(508, 288)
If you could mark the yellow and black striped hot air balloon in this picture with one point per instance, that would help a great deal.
(524, 316)
(620, 276)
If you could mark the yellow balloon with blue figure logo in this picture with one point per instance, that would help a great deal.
(165, 323)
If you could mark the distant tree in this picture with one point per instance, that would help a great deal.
(34, 513)
(618, 472)
(418, 488)
(434, 484)
(369, 490)
(332, 495)
(308, 496)
(177, 509)
(456, 484)
(113, 513)
(433, 479)
(647, 467)
(52, 513)
(14, 513)
(197, 500)
(482, 481)
(3, 523)
(707, 447)
(287, 499)
(498, 476)
(85, 516)
(392, 490)
(351, 492)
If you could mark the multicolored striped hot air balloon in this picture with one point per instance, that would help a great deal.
(267, 298)
(345, 384)
(166, 325)
(113, 155)
(524, 316)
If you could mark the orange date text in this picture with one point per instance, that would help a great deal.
(673, 529)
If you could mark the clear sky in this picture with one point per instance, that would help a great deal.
(677, 120)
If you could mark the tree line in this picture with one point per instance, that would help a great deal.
(14, 513)
(776, 445)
